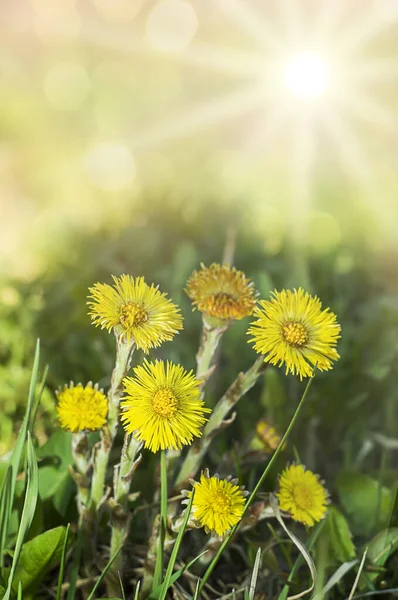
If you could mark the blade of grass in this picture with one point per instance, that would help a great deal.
(354, 587)
(299, 561)
(62, 565)
(196, 594)
(253, 581)
(122, 588)
(104, 572)
(173, 557)
(5, 510)
(38, 398)
(21, 438)
(137, 590)
(158, 574)
(267, 469)
(338, 575)
(28, 511)
(154, 595)
(300, 546)
(20, 590)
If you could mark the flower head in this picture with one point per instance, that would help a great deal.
(135, 309)
(222, 292)
(218, 503)
(292, 329)
(302, 495)
(163, 405)
(268, 435)
(81, 408)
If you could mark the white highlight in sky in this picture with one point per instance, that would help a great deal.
(306, 75)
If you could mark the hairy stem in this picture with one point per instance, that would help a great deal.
(257, 487)
(242, 384)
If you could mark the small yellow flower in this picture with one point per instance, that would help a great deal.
(135, 309)
(218, 503)
(268, 435)
(302, 495)
(81, 408)
(163, 405)
(222, 292)
(292, 329)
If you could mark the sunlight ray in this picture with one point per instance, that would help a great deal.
(353, 160)
(368, 110)
(244, 15)
(327, 20)
(202, 116)
(374, 70)
(303, 155)
(362, 32)
(266, 129)
(291, 17)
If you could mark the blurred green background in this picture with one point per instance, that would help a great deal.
(145, 137)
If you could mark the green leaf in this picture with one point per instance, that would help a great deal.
(38, 556)
(359, 496)
(32, 490)
(55, 481)
(379, 550)
(338, 535)
(5, 512)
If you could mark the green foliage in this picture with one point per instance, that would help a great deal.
(55, 482)
(338, 536)
(366, 502)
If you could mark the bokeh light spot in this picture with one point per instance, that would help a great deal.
(66, 85)
(171, 25)
(109, 166)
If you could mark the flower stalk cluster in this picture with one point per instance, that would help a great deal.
(162, 409)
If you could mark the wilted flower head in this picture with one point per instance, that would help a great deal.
(81, 408)
(302, 494)
(218, 503)
(138, 311)
(268, 435)
(222, 292)
(292, 329)
(163, 406)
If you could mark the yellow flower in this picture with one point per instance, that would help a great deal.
(135, 309)
(268, 435)
(81, 408)
(163, 405)
(222, 292)
(292, 329)
(302, 495)
(218, 503)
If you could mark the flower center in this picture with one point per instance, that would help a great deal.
(295, 334)
(221, 503)
(164, 403)
(132, 315)
(303, 497)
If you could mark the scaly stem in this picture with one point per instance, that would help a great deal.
(80, 460)
(129, 461)
(124, 353)
(209, 342)
(257, 487)
(242, 384)
(158, 575)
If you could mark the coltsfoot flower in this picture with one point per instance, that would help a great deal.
(292, 329)
(163, 405)
(302, 494)
(135, 309)
(222, 292)
(81, 408)
(218, 503)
